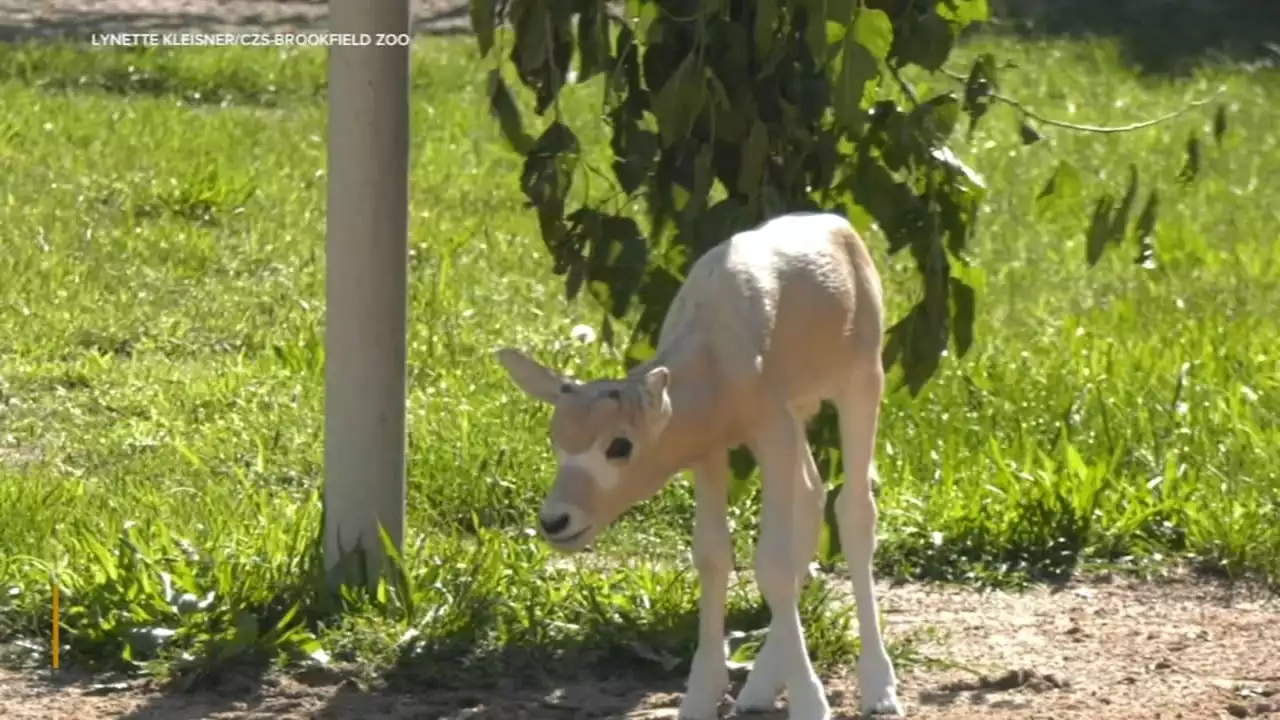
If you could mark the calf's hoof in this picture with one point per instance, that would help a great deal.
(809, 703)
(706, 688)
(878, 687)
(883, 703)
(757, 695)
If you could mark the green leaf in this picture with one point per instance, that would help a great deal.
(764, 27)
(703, 177)
(629, 263)
(957, 199)
(979, 88)
(645, 17)
(709, 8)
(616, 257)
(822, 160)
(593, 40)
(915, 343)
(772, 203)
(503, 107)
(962, 13)
(934, 120)
(927, 42)
(623, 88)
(815, 28)
(721, 221)
(532, 21)
(634, 149)
(754, 154)
(839, 11)
(482, 23)
(874, 30)
(891, 202)
(556, 141)
(864, 48)
(680, 100)
(543, 49)
(658, 288)
(546, 179)
(730, 126)
(1028, 133)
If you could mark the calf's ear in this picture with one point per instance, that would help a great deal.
(536, 380)
(657, 402)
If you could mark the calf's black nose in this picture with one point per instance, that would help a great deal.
(555, 525)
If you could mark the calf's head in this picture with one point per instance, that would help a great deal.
(604, 434)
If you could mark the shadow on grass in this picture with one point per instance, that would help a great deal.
(243, 686)
(602, 674)
(1166, 37)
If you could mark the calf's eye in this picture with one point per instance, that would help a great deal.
(619, 449)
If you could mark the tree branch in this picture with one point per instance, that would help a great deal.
(1102, 129)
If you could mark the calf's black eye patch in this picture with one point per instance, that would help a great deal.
(619, 449)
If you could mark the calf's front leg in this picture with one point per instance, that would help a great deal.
(778, 451)
(766, 679)
(713, 558)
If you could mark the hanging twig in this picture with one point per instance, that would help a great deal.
(1104, 129)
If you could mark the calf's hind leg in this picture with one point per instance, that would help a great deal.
(856, 516)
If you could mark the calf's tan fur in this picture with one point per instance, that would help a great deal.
(769, 323)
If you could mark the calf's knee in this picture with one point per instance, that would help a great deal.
(712, 552)
(775, 575)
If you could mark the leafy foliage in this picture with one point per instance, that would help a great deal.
(725, 113)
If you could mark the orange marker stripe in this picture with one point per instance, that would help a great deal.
(56, 623)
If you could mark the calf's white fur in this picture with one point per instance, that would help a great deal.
(769, 323)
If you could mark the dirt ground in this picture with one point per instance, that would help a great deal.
(1102, 648)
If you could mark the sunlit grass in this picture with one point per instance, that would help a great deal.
(161, 366)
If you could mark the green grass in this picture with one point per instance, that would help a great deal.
(161, 367)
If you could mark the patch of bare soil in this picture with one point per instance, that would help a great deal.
(1118, 649)
(1177, 649)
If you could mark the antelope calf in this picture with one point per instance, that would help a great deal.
(769, 323)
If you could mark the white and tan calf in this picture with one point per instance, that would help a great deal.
(768, 324)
